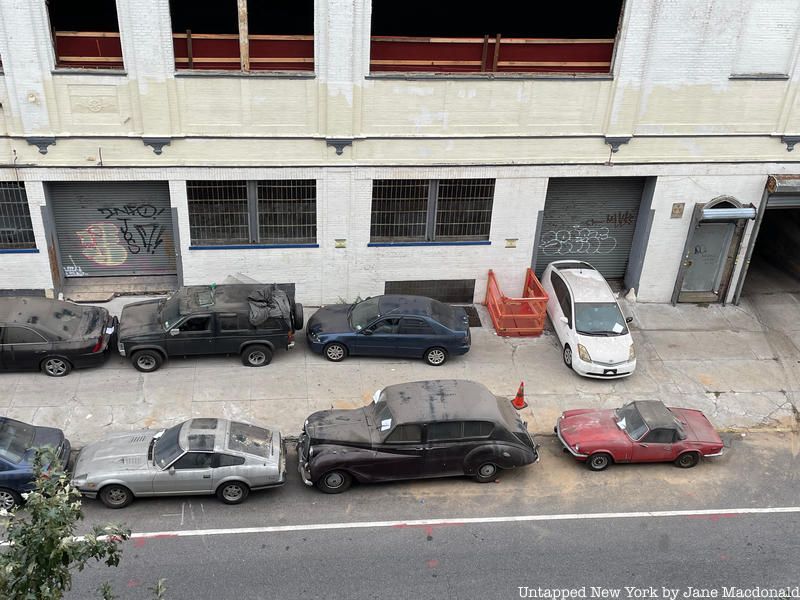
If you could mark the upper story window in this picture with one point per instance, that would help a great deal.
(226, 35)
(277, 212)
(85, 37)
(437, 210)
(505, 36)
(16, 230)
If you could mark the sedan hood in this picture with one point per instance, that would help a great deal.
(607, 350)
(339, 426)
(140, 318)
(330, 319)
(117, 453)
(588, 426)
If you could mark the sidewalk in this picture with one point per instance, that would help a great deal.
(739, 364)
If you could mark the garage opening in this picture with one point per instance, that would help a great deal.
(775, 262)
(87, 38)
(505, 36)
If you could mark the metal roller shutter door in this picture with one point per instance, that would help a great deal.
(591, 219)
(113, 229)
(783, 201)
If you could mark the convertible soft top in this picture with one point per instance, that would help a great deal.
(655, 414)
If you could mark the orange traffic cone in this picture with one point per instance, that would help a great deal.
(519, 400)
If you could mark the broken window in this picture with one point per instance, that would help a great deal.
(87, 38)
(242, 35)
(437, 210)
(505, 36)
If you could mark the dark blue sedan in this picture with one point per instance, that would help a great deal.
(406, 326)
(18, 443)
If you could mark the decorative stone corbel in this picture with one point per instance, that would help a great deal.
(339, 143)
(616, 142)
(42, 143)
(156, 143)
(790, 141)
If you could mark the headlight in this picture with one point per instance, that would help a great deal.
(631, 353)
(80, 480)
(584, 353)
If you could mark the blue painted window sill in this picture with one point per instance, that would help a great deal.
(253, 246)
(384, 244)
(19, 251)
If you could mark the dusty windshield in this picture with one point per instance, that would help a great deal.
(167, 448)
(170, 311)
(599, 318)
(630, 421)
(364, 313)
(15, 439)
(382, 415)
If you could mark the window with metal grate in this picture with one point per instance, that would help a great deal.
(16, 230)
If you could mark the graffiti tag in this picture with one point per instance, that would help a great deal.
(617, 220)
(100, 244)
(578, 240)
(139, 237)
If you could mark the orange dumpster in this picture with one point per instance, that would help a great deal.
(517, 316)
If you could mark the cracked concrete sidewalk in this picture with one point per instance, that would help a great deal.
(739, 364)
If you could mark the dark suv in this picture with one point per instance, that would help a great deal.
(246, 319)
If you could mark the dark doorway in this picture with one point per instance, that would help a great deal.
(775, 264)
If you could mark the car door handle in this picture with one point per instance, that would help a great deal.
(643, 446)
(419, 448)
(206, 476)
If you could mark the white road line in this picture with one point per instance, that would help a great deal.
(711, 512)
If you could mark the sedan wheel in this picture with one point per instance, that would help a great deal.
(9, 499)
(233, 492)
(486, 473)
(335, 352)
(335, 482)
(436, 356)
(116, 496)
(56, 367)
(599, 461)
(568, 356)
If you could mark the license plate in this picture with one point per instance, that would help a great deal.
(609, 371)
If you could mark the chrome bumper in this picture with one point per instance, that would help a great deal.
(565, 444)
(713, 455)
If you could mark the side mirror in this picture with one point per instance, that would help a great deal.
(174, 331)
(172, 470)
(629, 320)
(564, 320)
(366, 331)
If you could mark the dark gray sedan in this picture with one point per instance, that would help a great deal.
(391, 325)
(196, 457)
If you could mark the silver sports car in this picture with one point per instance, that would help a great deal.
(198, 456)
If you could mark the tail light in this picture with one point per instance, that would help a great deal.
(291, 336)
(98, 346)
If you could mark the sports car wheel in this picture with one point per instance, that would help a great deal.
(599, 461)
(687, 460)
(335, 482)
(335, 352)
(116, 496)
(486, 473)
(435, 356)
(56, 367)
(568, 356)
(233, 492)
(256, 356)
(9, 499)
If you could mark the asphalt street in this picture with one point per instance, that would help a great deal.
(378, 541)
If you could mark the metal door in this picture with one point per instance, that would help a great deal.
(113, 229)
(591, 219)
(706, 257)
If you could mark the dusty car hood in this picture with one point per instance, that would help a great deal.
(339, 426)
(330, 319)
(117, 453)
(608, 350)
(586, 427)
(140, 318)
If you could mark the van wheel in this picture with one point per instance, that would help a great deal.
(297, 316)
(56, 367)
(256, 356)
(147, 361)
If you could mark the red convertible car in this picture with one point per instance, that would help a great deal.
(645, 431)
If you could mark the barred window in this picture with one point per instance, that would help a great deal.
(287, 212)
(417, 210)
(225, 213)
(16, 230)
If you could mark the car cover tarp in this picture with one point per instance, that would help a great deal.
(268, 302)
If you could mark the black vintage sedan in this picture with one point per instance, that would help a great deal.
(412, 431)
(53, 336)
(391, 325)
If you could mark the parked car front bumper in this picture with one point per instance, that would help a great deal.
(567, 447)
(601, 371)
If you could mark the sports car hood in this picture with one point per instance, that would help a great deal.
(330, 319)
(117, 453)
(140, 318)
(608, 350)
(339, 426)
(587, 426)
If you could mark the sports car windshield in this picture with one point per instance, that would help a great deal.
(364, 313)
(167, 448)
(630, 421)
(599, 318)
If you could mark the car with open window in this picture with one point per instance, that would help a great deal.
(592, 332)
(51, 336)
(390, 325)
(201, 456)
(249, 320)
(415, 430)
(640, 431)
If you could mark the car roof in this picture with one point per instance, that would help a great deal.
(223, 298)
(655, 414)
(203, 434)
(441, 400)
(406, 305)
(54, 316)
(585, 282)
